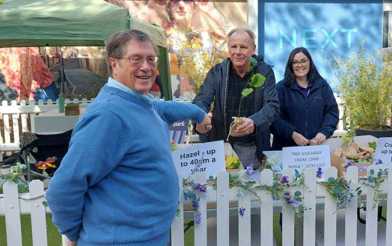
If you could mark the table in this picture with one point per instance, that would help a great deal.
(53, 122)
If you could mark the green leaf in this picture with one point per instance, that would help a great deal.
(246, 92)
(257, 80)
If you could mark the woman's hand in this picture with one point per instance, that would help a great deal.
(318, 139)
(299, 139)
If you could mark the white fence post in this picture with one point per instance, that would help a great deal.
(244, 226)
(12, 214)
(351, 219)
(38, 215)
(222, 205)
(177, 228)
(309, 225)
(288, 218)
(389, 209)
(371, 216)
(330, 211)
(266, 210)
(201, 228)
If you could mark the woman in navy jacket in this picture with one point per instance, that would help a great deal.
(308, 109)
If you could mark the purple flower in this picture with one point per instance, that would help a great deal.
(286, 195)
(200, 187)
(242, 211)
(284, 179)
(195, 204)
(249, 170)
(293, 203)
(319, 172)
(198, 218)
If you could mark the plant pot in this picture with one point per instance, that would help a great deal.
(386, 132)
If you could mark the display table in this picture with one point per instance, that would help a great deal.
(53, 122)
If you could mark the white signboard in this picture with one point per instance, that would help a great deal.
(383, 154)
(317, 156)
(191, 159)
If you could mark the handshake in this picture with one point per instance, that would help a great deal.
(205, 126)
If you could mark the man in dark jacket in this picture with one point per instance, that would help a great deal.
(222, 88)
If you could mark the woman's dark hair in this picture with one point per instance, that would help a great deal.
(313, 74)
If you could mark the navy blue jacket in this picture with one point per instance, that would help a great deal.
(307, 115)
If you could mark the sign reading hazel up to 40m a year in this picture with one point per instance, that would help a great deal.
(203, 158)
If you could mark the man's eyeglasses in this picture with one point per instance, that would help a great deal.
(138, 60)
(302, 61)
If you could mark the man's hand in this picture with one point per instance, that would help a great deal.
(205, 126)
(299, 139)
(318, 139)
(245, 127)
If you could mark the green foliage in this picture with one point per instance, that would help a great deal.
(246, 92)
(341, 191)
(375, 181)
(256, 80)
(347, 138)
(15, 175)
(366, 87)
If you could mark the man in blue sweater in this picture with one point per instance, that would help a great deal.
(117, 184)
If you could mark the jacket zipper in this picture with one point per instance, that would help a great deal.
(225, 97)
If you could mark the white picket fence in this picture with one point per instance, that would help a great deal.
(13, 204)
(15, 119)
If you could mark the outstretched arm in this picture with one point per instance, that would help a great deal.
(171, 112)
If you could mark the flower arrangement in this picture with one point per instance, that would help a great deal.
(246, 182)
(341, 191)
(375, 181)
(286, 190)
(192, 192)
(256, 80)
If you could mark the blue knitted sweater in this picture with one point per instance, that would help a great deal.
(117, 184)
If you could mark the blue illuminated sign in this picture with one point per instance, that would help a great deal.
(329, 30)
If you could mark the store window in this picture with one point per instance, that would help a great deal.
(329, 29)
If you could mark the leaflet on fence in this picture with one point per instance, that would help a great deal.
(306, 157)
(383, 154)
(202, 158)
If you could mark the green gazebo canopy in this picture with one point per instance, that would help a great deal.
(65, 23)
(34, 23)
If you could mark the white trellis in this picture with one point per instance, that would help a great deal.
(15, 116)
(13, 204)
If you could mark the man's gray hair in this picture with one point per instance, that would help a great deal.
(250, 33)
